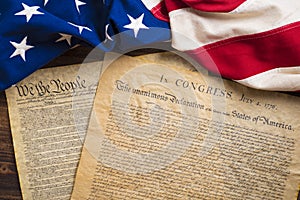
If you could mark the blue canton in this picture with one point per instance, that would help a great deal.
(33, 32)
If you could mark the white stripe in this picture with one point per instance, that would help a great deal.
(279, 79)
(151, 3)
(192, 28)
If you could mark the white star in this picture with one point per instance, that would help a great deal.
(65, 37)
(136, 24)
(45, 2)
(21, 48)
(106, 34)
(29, 11)
(79, 3)
(80, 28)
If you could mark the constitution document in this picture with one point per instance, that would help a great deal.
(163, 128)
(49, 113)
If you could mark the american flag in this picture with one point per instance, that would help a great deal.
(33, 32)
(253, 42)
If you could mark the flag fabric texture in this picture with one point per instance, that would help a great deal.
(253, 42)
(33, 32)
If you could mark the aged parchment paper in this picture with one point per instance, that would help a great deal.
(49, 113)
(160, 129)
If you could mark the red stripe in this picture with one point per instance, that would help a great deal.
(174, 5)
(241, 57)
(204, 5)
(214, 5)
(160, 11)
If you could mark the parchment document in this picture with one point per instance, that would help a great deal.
(160, 129)
(49, 113)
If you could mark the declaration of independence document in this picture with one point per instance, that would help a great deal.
(161, 130)
(49, 113)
